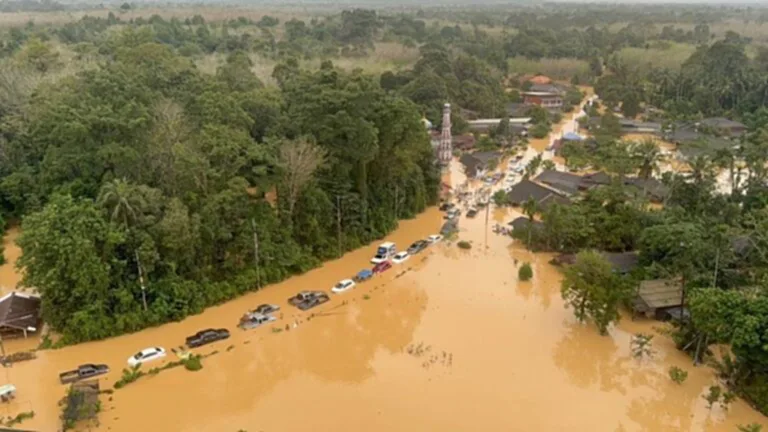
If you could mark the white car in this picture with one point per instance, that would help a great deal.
(400, 257)
(342, 286)
(145, 355)
(434, 238)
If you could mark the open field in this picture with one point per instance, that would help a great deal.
(663, 55)
(559, 69)
(210, 13)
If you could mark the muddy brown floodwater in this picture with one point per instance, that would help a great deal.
(447, 341)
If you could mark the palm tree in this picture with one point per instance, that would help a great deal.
(529, 208)
(122, 201)
(647, 156)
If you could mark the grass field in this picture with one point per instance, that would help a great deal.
(559, 69)
(668, 56)
(210, 13)
(387, 56)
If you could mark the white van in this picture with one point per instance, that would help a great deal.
(384, 252)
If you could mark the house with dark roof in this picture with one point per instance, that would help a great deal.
(522, 222)
(655, 298)
(704, 145)
(565, 182)
(630, 126)
(723, 126)
(477, 163)
(19, 314)
(463, 142)
(517, 109)
(621, 262)
(543, 195)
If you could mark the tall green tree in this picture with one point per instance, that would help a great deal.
(593, 290)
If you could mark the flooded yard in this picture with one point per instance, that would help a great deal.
(449, 340)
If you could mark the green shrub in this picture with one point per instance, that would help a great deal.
(464, 244)
(539, 131)
(193, 363)
(129, 375)
(525, 273)
(20, 417)
(677, 375)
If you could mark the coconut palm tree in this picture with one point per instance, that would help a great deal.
(647, 156)
(120, 199)
(530, 207)
(122, 202)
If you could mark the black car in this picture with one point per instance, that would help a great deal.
(83, 372)
(447, 206)
(308, 299)
(417, 247)
(472, 213)
(207, 336)
(266, 309)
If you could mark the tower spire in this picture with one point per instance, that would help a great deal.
(446, 145)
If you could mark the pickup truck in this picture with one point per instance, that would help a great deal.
(207, 336)
(308, 299)
(254, 319)
(83, 372)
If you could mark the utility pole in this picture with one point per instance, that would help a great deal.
(338, 221)
(256, 253)
(397, 189)
(141, 280)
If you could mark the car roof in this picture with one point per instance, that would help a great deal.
(401, 253)
(387, 245)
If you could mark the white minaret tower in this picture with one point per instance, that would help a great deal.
(445, 151)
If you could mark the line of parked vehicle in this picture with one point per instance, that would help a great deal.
(386, 255)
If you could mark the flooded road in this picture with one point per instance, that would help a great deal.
(448, 341)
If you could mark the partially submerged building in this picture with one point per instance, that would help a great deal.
(572, 184)
(19, 314)
(478, 163)
(660, 299)
(541, 194)
(621, 262)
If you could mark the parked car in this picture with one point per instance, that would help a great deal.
(384, 252)
(363, 275)
(447, 206)
(344, 285)
(83, 372)
(417, 246)
(204, 337)
(146, 355)
(434, 238)
(265, 309)
(472, 212)
(400, 257)
(253, 319)
(452, 214)
(382, 266)
(308, 299)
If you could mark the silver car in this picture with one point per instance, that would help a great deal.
(252, 320)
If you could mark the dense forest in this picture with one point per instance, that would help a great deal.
(144, 185)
